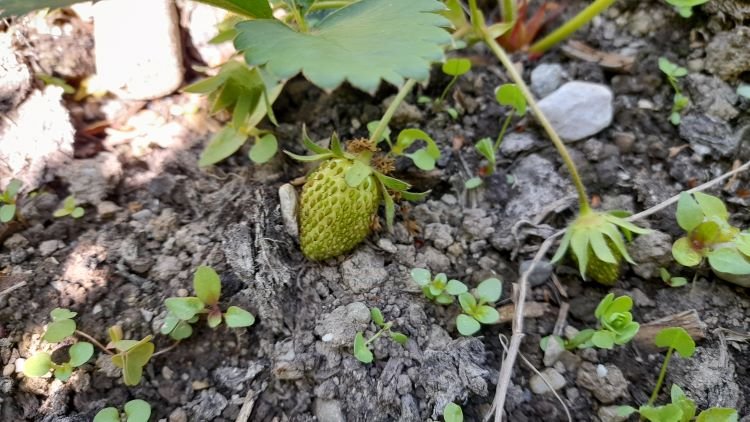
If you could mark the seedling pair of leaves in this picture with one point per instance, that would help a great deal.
(362, 347)
(132, 355)
(135, 411)
(476, 307)
(69, 208)
(616, 326)
(595, 242)
(8, 200)
(184, 311)
(710, 236)
(680, 102)
(248, 94)
(454, 67)
(685, 7)
(670, 280)
(439, 288)
(508, 95)
(61, 327)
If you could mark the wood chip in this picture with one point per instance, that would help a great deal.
(531, 310)
(611, 61)
(689, 320)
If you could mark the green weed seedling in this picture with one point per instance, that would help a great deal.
(135, 411)
(453, 413)
(506, 95)
(439, 288)
(8, 200)
(670, 280)
(69, 208)
(616, 326)
(685, 7)
(184, 311)
(362, 346)
(476, 307)
(61, 327)
(710, 237)
(674, 72)
(454, 67)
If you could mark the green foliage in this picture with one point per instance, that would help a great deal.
(674, 72)
(8, 200)
(453, 413)
(454, 67)
(681, 409)
(259, 9)
(69, 208)
(424, 158)
(512, 96)
(349, 44)
(676, 338)
(51, 80)
(251, 8)
(672, 281)
(21, 7)
(62, 325)
(685, 7)
(362, 346)
(41, 363)
(439, 288)
(476, 310)
(135, 411)
(184, 311)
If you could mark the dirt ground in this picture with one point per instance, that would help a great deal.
(152, 216)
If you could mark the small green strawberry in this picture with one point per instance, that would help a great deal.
(597, 245)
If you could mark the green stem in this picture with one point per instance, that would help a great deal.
(510, 8)
(445, 91)
(298, 17)
(375, 337)
(93, 340)
(383, 124)
(503, 130)
(563, 32)
(660, 380)
(323, 5)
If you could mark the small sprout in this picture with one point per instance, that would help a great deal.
(685, 7)
(677, 339)
(475, 308)
(132, 356)
(453, 413)
(8, 200)
(672, 281)
(674, 72)
(362, 346)
(135, 411)
(439, 289)
(682, 408)
(69, 208)
(424, 158)
(62, 325)
(41, 363)
(473, 183)
(454, 67)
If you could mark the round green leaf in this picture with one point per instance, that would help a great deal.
(718, 414)
(473, 183)
(77, 212)
(743, 243)
(456, 66)
(467, 325)
(184, 308)
(181, 331)
(237, 317)
(58, 314)
(108, 414)
(399, 338)
(37, 365)
(137, 411)
(683, 252)
(712, 206)
(361, 352)
(677, 281)
(490, 290)
(7, 212)
(421, 276)
(422, 159)
(63, 372)
(80, 353)
(170, 322)
(456, 288)
(487, 315)
(225, 143)
(689, 214)
(728, 260)
(676, 338)
(444, 299)
(59, 330)
(453, 413)
(511, 95)
(468, 302)
(207, 285)
(603, 339)
(264, 149)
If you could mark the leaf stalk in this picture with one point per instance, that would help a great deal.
(571, 26)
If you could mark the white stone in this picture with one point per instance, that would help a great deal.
(578, 110)
(288, 201)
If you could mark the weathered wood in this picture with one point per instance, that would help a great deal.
(689, 320)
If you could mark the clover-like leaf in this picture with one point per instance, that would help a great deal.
(453, 413)
(456, 66)
(668, 413)
(361, 351)
(207, 285)
(108, 414)
(421, 276)
(37, 365)
(349, 44)
(138, 410)
(718, 414)
(467, 325)
(712, 206)
(443, 299)
(237, 317)
(133, 357)
(184, 308)
(77, 212)
(676, 338)
(181, 331)
(59, 330)
(80, 353)
(490, 290)
(511, 95)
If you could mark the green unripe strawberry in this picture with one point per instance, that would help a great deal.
(335, 217)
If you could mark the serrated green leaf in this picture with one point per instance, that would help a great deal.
(456, 66)
(264, 149)
(137, 411)
(683, 252)
(7, 212)
(225, 143)
(676, 338)
(399, 338)
(730, 261)
(58, 330)
(718, 414)
(357, 173)
(252, 8)
(490, 290)
(349, 44)
(511, 95)
(467, 325)
(207, 285)
(108, 414)
(421, 276)
(184, 308)
(80, 353)
(689, 214)
(361, 352)
(377, 317)
(37, 365)
(237, 317)
(453, 413)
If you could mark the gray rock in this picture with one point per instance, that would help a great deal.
(440, 234)
(553, 352)
(178, 415)
(712, 95)
(432, 259)
(91, 180)
(703, 131)
(517, 142)
(207, 406)
(608, 388)
(15, 78)
(651, 251)
(107, 209)
(234, 378)
(288, 201)
(546, 78)
(387, 245)
(553, 378)
(727, 55)
(48, 247)
(339, 327)
(363, 271)
(166, 268)
(538, 186)
(609, 414)
(540, 275)
(578, 109)
(328, 411)
(477, 223)
(739, 10)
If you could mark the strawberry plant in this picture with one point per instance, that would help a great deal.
(673, 73)
(711, 238)
(69, 208)
(439, 288)
(362, 346)
(135, 411)
(476, 307)
(8, 200)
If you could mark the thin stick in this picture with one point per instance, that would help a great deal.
(162, 351)
(506, 371)
(95, 341)
(12, 288)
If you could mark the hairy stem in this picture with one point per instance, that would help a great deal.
(378, 334)
(660, 380)
(95, 341)
(571, 26)
(510, 9)
(383, 124)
